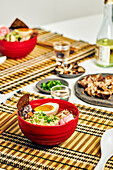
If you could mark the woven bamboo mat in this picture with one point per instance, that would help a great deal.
(80, 151)
(15, 74)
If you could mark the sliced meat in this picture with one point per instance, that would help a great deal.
(96, 85)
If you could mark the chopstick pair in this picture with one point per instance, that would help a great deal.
(8, 122)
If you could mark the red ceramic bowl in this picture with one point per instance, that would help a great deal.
(17, 50)
(50, 135)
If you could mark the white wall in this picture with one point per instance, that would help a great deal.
(41, 12)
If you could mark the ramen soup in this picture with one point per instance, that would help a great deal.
(48, 115)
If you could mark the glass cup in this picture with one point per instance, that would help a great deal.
(61, 92)
(62, 49)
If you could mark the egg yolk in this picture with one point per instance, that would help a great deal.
(44, 108)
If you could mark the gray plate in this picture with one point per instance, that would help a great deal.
(79, 92)
(38, 85)
(68, 75)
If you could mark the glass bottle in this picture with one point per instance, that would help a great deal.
(104, 42)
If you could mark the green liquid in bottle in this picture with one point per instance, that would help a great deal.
(104, 55)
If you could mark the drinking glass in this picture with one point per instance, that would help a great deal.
(61, 92)
(62, 49)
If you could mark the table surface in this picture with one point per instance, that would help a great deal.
(85, 28)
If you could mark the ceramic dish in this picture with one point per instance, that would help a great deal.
(79, 92)
(71, 70)
(38, 85)
(69, 76)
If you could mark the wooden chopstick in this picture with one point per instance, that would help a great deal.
(10, 123)
(43, 43)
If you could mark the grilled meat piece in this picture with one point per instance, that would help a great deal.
(96, 85)
(91, 89)
(104, 94)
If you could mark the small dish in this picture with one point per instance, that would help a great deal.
(72, 70)
(38, 85)
(69, 76)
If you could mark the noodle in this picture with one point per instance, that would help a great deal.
(42, 119)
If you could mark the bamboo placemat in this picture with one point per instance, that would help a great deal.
(80, 151)
(15, 74)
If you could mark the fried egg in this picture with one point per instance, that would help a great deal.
(48, 108)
